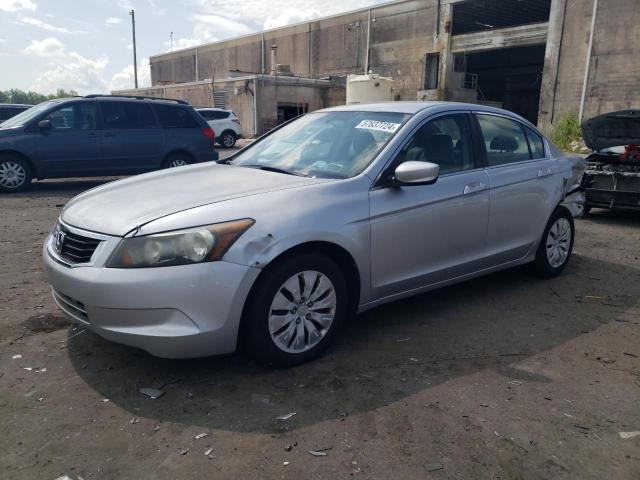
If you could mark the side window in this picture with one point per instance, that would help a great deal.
(535, 143)
(504, 140)
(77, 116)
(127, 115)
(445, 140)
(175, 117)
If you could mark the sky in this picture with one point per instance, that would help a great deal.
(86, 45)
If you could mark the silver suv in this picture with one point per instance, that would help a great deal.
(334, 213)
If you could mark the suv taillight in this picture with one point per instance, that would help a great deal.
(209, 133)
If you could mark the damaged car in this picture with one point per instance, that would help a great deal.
(612, 177)
(334, 213)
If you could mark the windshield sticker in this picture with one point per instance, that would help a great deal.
(379, 126)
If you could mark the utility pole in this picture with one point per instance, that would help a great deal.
(171, 50)
(135, 58)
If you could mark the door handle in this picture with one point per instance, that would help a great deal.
(545, 172)
(474, 187)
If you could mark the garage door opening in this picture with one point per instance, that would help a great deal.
(289, 111)
(508, 78)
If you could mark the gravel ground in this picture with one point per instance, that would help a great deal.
(506, 376)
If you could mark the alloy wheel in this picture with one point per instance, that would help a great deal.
(12, 175)
(302, 311)
(177, 162)
(228, 140)
(558, 242)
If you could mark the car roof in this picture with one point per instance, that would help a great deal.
(411, 108)
(214, 109)
(15, 105)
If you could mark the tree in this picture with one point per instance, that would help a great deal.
(16, 95)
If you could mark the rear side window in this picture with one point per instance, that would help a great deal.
(535, 143)
(213, 114)
(127, 115)
(504, 140)
(175, 117)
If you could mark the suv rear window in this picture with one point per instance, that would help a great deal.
(175, 117)
(213, 114)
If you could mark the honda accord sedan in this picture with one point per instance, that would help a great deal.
(334, 213)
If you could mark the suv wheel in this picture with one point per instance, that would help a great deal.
(15, 174)
(293, 314)
(176, 160)
(556, 245)
(228, 139)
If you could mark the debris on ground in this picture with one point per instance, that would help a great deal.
(628, 435)
(105, 400)
(289, 447)
(434, 467)
(134, 420)
(515, 382)
(184, 451)
(208, 452)
(317, 453)
(152, 392)
(286, 416)
(285, 463)
(200, 435)
(156, 428)
(630, 354)
(16, 357)
(64, 477)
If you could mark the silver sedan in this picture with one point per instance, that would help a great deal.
(335, 213)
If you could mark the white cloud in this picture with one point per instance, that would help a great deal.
(15, 5)
(48, 47)
(223, 24)
(124, 79)
(112, 21)
(47, 26)
(290, 16)
(65, 69)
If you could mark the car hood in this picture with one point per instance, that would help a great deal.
(119, 207)
(612, 130)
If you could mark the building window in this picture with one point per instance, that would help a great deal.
(432, 65)
(220, 99)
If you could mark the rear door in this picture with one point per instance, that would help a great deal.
(522, 187)
(183, 132)
(73, 144)
(133, 142)
(426, 234)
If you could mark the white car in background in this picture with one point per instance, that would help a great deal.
(224, 123)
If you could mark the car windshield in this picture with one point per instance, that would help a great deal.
(324, 144)
(29, 114)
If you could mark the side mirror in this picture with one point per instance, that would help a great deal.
(417, 173)
(45, 125)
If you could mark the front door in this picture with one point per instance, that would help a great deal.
(521, 176)
(72, 146)
(426, 234)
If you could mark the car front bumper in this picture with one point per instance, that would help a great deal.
(172, 312)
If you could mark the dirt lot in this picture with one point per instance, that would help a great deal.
(503, 377)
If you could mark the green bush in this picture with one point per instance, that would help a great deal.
(566, 131)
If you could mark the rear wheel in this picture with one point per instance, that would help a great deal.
(295, 310)
(228, 139)
(556, 245)
(15, 174)
(176, 160)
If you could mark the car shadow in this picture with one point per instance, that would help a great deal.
(381, 356)
(614, 217)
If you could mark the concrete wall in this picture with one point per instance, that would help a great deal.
(401, 34)
(613, 82)
(270, 91)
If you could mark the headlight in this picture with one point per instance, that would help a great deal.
(183, 247)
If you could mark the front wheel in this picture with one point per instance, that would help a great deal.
(556, 245)
(15, 174)
(295, 310)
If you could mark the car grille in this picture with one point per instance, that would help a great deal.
(72, 247)
(70, 306)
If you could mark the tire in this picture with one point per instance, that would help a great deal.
(556, 245)
(15, 174)
(228, 139)
(282, 329)
(176, 160)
